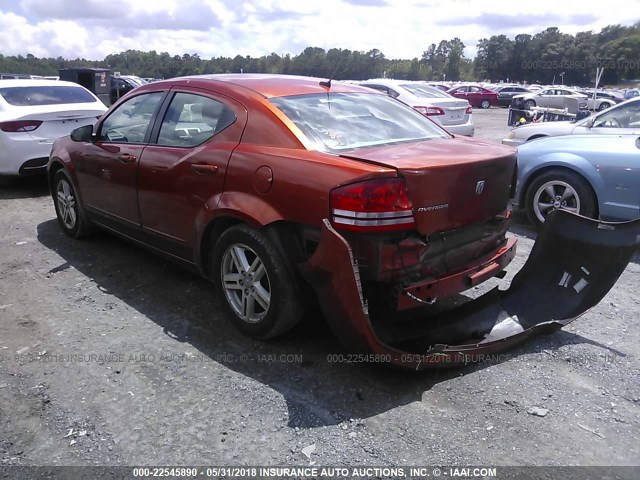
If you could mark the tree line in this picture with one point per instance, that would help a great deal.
(545, 57)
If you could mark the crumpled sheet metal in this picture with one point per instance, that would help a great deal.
(572, 266)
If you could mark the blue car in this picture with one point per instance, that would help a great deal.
(597, 176)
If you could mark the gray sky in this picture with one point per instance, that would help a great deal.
(400, 29)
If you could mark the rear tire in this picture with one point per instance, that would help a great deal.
(529, 104)
(70, 215)
(559, 189)
(257, 289)
(604, 106)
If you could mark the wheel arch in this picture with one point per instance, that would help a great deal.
(55, 164)
(285, 236)
(561, 167)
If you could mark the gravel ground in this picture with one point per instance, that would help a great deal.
(112, 356)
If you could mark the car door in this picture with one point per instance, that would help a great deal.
(622, 120)
(182, 170)
(460, 92)
(474, 96)
(107, 169)
(545, 98)
(620, 170)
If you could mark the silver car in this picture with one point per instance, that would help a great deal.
(453, 114)
(621, 119)
(597, 176)
(552, 97)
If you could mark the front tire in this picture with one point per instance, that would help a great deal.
(559, 189)
(529, 104)
(604, 106)
(485, 104)
(70, 216)
(253, 283)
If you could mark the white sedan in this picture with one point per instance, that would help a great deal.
(621, 119)
(453, 114)
(34, 113)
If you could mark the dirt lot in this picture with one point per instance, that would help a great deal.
(110, 356)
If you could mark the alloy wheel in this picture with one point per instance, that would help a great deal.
(245, 283)
(553, 195)
(66, 204)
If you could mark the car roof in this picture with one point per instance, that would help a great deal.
(270, 86)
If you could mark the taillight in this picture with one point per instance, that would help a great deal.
(20, 125)
(380, 205)
(429, 111)
(468, 110)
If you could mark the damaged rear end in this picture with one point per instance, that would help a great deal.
(574, 263)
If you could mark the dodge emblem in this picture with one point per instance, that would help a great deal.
(479, 187)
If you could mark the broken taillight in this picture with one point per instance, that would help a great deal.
(20, 125)
(380, 205)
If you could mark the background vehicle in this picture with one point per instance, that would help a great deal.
(597, 176)
(602, 101)
(632, 93)
(507, 92)
(453, 114)
(622, 119)
(236, 176)
(552, 97)
(33, 113)
(122, 85)
(476, 95)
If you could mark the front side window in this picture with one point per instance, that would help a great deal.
(340, 122)
(45, 95)
(193, 119)
(129, 122)
(626, 116)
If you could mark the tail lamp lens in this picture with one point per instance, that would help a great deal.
(20, 125)
(380, 205)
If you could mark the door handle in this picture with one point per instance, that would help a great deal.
(127, 158)
(204, 169)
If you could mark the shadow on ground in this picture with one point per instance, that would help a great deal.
(23, 187)
(318, 391)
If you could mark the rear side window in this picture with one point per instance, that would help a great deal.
(45, 95)
(193, 119)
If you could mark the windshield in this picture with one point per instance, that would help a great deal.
(425, 91)
(337, 122)
(45, 95)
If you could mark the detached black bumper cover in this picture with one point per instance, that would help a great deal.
(573, 265)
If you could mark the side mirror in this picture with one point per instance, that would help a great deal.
(82, 134)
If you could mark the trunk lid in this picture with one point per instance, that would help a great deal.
(451, 182)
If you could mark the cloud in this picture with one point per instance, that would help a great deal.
(368, 3)
(497, 22)
(399, 28)
(119, 14)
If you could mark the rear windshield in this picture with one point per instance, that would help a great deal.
(345, 121)
(425, 91)
(45, 95)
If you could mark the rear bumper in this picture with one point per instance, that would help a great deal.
(512, 142)
(572, 266)
(19, 152)
(467, 129)
(430, 290)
